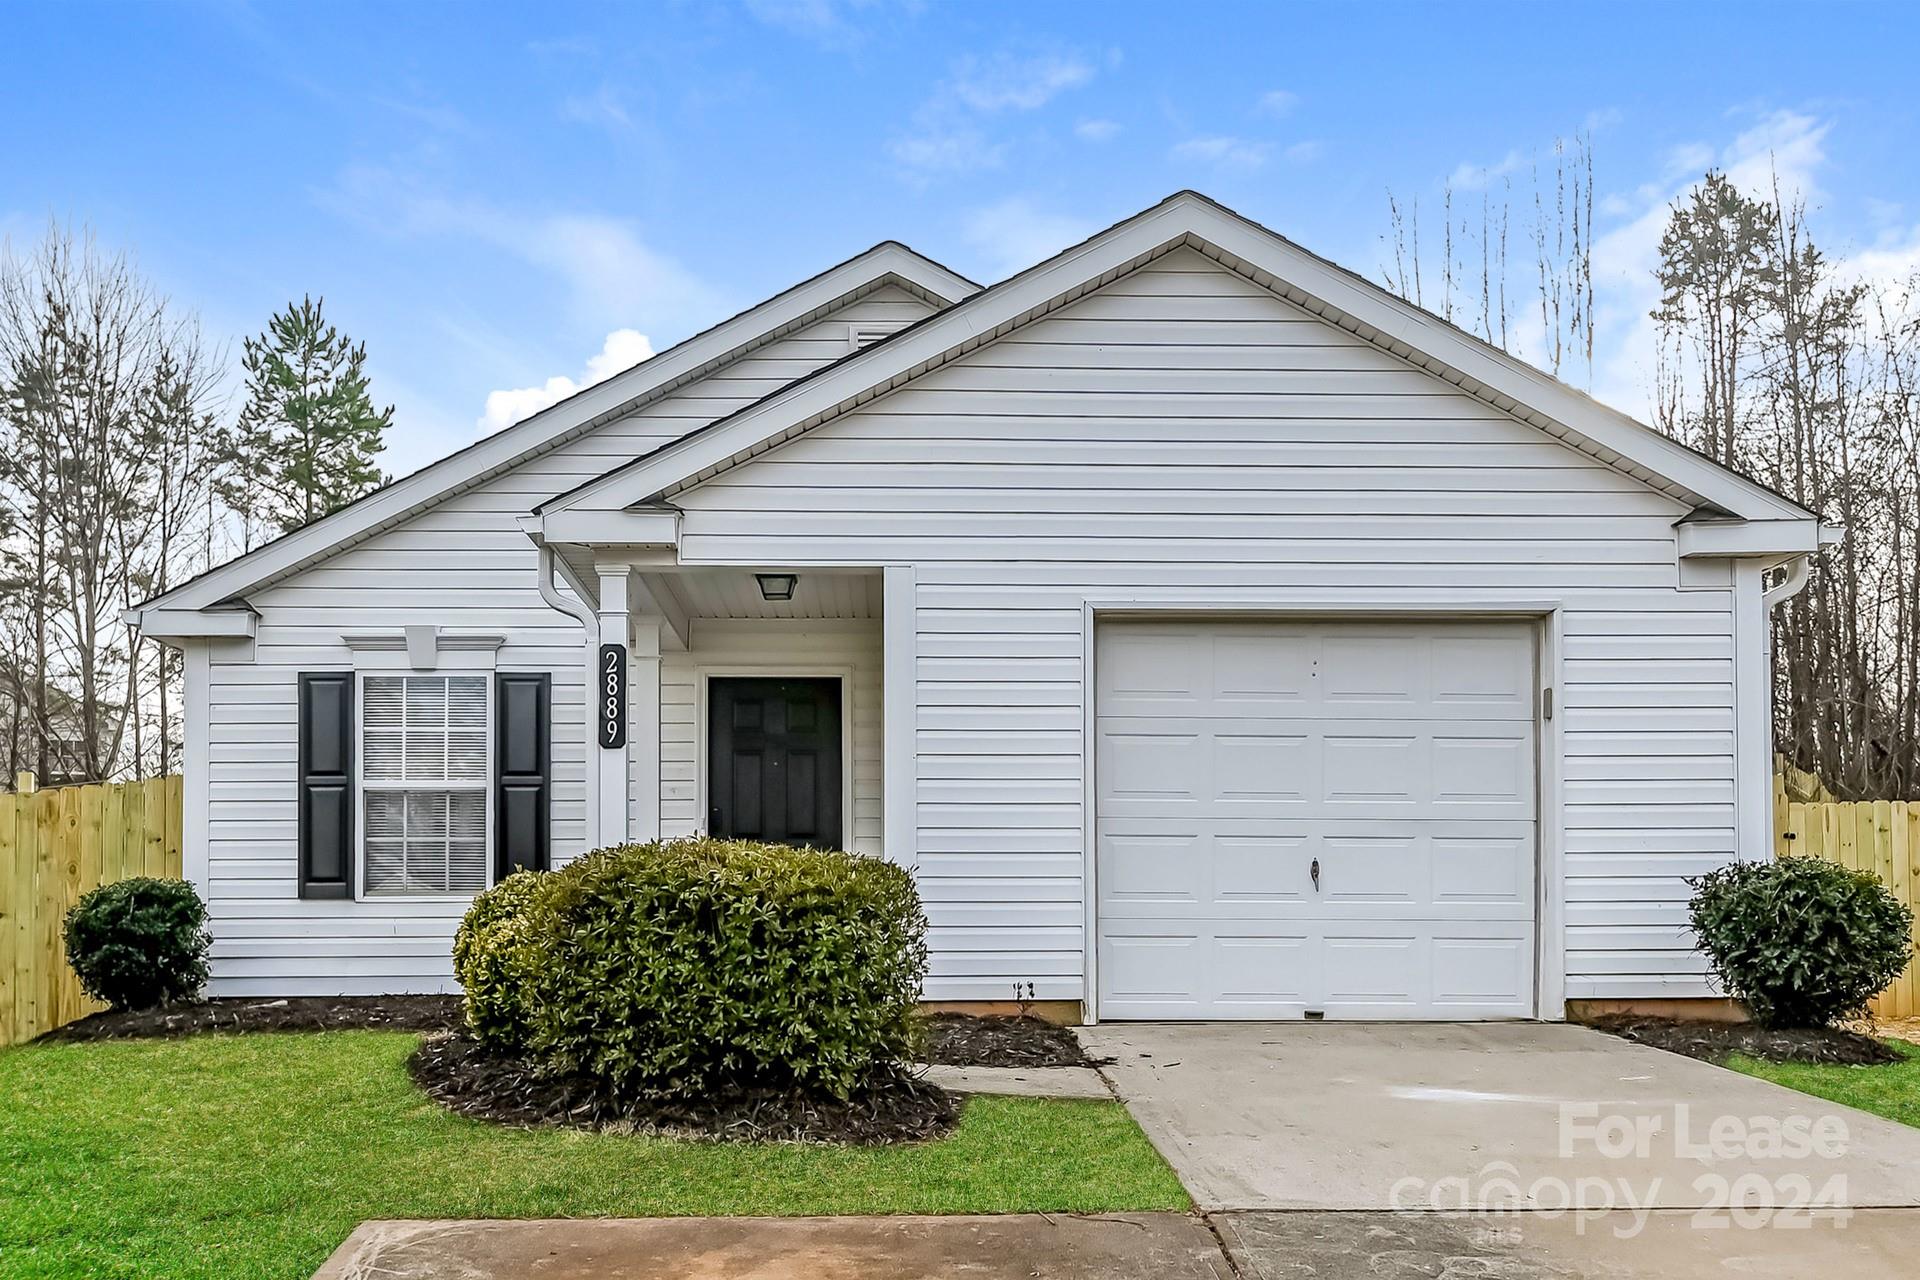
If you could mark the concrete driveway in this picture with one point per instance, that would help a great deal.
(1405, 1116)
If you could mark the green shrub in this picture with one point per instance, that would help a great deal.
(489, 954)
(1802, 941)
(139, 943)
(695, 967)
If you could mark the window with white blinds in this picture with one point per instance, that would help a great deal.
(424, 781)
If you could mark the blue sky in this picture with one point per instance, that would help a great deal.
(484, 193)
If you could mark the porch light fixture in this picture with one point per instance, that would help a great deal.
(777, 586)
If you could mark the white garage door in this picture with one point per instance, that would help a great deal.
(1315, 818)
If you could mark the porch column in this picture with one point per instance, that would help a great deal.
(643, 733)
(900, 718)
(611, 763)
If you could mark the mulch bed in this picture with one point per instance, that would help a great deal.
(1715, 1041)
(961, 1040)
(300, 1013)
(465, 1077)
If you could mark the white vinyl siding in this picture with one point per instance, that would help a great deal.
(463, 565)
(1184, 434)
(425, 774)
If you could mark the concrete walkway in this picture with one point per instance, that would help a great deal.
(1150, 1246)
(1874, 1244)
(1871, 1245)
(1374, 1116)
(1022, 1082)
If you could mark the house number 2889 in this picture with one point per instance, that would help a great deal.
(611, 694)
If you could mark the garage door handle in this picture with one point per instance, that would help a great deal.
(1314, 871)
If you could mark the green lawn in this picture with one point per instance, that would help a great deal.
(1892, 1090)
(253, 1156)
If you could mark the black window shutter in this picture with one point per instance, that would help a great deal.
(523, 750)
(326, 784)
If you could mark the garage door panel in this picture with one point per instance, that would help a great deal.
(1482, 770)
(1259, 670)
(1474, 972)
(1260, 870)
(1386, 871)
(1389, 870)
(1227, 969)
(1484, 870)
(1374, 768)
(1272, 767)
(1398, 757)
(1261, 971)
(1328, 767)
(1152, 766)
(1159, 870)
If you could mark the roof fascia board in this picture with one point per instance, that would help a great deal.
(889, 262)
(192, 624)
(1370, 312)
(644, 528)
(1698, 538)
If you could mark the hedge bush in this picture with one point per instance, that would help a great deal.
(489, 955)
(139, 943)
(698, 967)
(1803, 942)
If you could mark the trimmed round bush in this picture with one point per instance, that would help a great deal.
(139, 943)
(694, 968)
(489, 955)
(1803, 942)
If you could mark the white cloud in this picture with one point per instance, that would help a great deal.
(829, 21)
(1226, 152)
(1005, 82)
(1305, 152)
(623, 349)
(1011, 235)
(961, 149)
(1096, 130)
(603, 107)
(1473, 177)
(1277, 102)
(948, 133)
(610, 271)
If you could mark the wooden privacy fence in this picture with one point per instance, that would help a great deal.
(54, 846)
(1877, 836)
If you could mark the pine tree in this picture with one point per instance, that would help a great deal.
(305, 444)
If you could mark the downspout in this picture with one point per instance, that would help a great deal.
(1799, 569)
(577, 608)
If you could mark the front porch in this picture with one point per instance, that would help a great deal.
(703, 640)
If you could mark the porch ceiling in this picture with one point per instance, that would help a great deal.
(733, 593)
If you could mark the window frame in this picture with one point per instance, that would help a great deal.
(486, 785)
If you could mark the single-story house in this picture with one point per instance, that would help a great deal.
(1213, 634)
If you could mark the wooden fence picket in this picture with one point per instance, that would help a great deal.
(1879, 837)
(55, 846)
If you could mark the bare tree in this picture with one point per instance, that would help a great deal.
(1774, 364)
(104, 454)
(1560, 229)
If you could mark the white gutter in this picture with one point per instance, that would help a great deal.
(1799, 569)
(577, 608)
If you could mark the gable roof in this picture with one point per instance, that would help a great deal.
(888, 263)
(1188, 219)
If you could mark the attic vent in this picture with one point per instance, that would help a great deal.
(865, 335)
